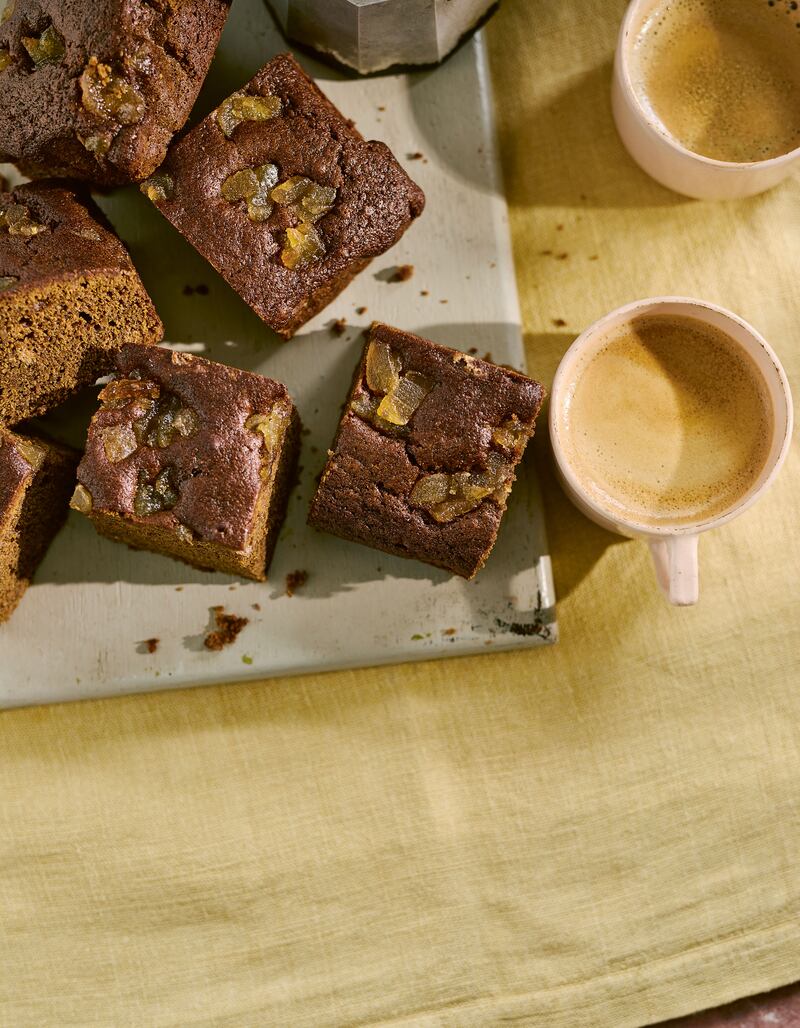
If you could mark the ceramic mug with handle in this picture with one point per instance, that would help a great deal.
(674, 545)
(663, 156)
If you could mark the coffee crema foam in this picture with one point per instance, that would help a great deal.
(669, 422)
(722, 77)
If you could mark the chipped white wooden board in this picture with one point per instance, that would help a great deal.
(78, 631)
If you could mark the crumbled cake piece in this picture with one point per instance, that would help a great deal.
(426, 452)
(69, 299)
(97, 91)
(278, 173)
(227, 631)
(192, 459)
(295, 580)
(36, 479)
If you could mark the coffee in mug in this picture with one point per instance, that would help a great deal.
(667, 421)
(721, 77)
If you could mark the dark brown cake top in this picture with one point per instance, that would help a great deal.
(183, 441)
(47, 231)
(426, 452)
(459, 408)
(97, 90)
(276, 173)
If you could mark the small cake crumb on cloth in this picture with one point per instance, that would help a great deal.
(228, 628)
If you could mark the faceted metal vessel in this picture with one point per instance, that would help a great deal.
(370, 35)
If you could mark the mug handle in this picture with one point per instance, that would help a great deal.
(677, 571)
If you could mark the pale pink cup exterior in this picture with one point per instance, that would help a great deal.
(674, 548)
(662, 157)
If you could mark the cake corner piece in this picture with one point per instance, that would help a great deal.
(426, 452)
(36, 479)
(69, 298)
(277, 171)
(191, 459)
(104, 90)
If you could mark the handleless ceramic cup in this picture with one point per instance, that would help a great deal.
(674, 547)
(661, 155)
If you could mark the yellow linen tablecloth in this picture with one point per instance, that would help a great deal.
(599, 835)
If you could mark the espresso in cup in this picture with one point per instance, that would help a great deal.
(722, 77)
(667, 422)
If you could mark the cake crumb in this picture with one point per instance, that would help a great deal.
(594, 257)
(562, 256)
(295, 580)
(416, 156)
(402, 273)
(151, 645)
(545, 253)
(449, 631)
(338, 327)
(381, 108)
(488, 356)
(472, 350)
(559, 322)
(361, 310)
(228, 628)
(424, 292)
(256, 606)
(559, 228)
(444, 301)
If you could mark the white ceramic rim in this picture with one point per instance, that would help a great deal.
(694, 309)
(634, 9)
